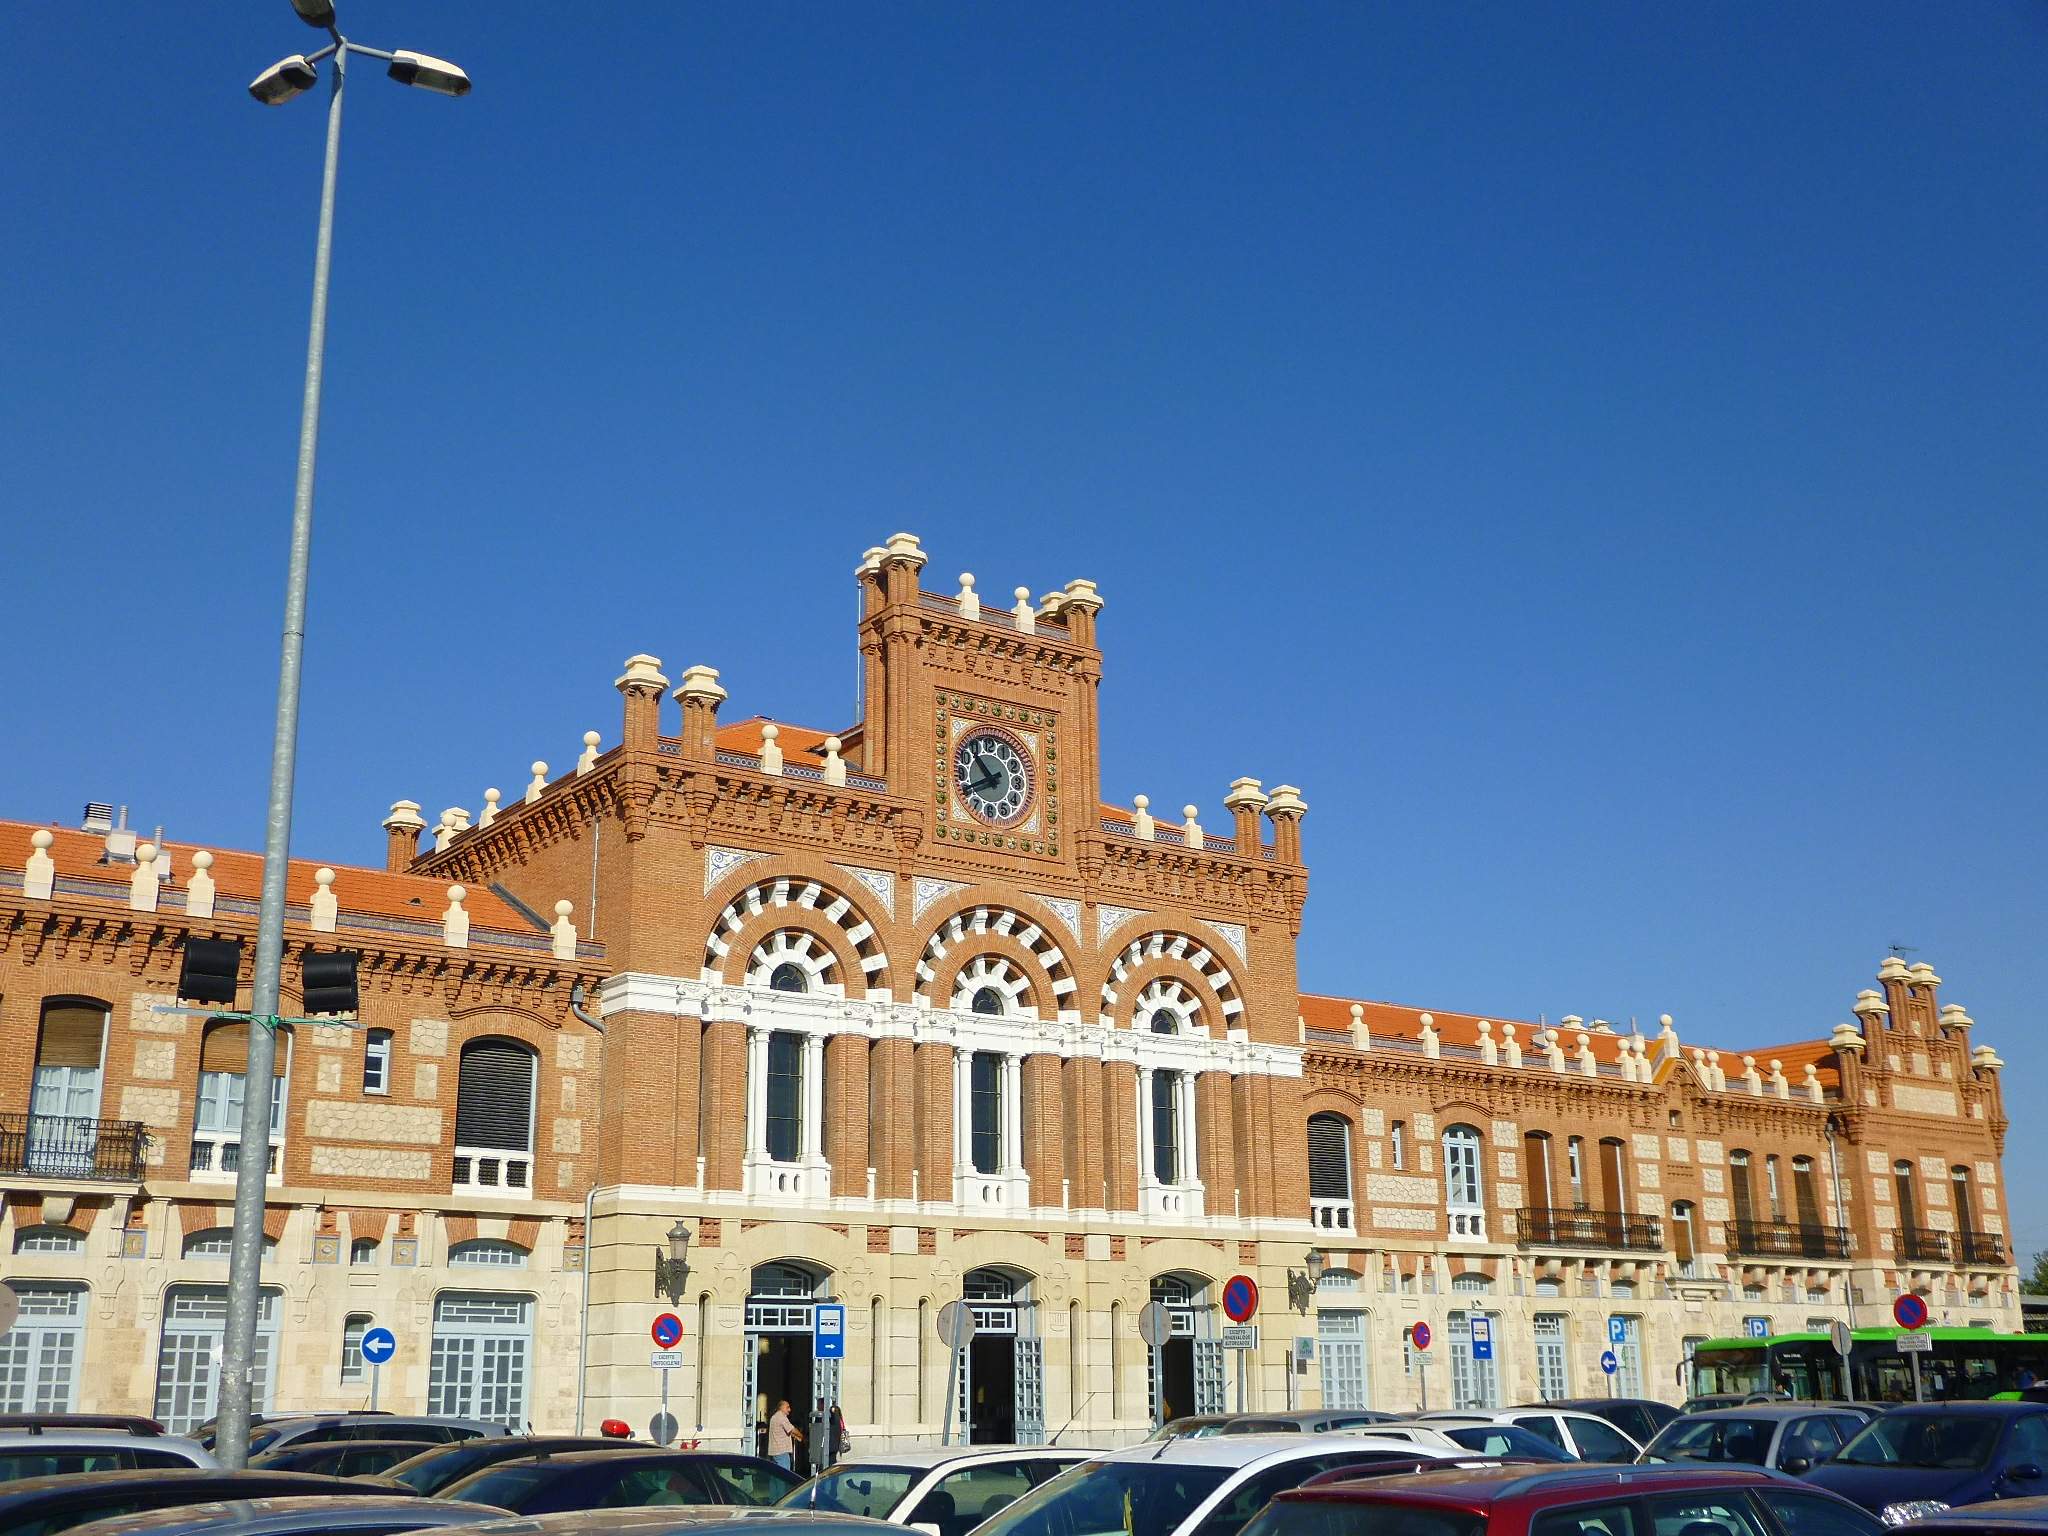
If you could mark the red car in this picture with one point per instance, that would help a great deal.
(1565, 1501)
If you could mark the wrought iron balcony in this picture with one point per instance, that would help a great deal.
(73, 1147)
(1983, 1248)
(1548, 1227)
(1788, 1240)
(1921, 1244)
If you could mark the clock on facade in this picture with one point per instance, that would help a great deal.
(992, 776)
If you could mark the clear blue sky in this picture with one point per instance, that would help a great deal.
(1595, 450)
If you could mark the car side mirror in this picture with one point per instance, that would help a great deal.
(1796, 1465)
(2024, 1472)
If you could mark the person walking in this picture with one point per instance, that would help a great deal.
(783, 1437)
(835, 1435)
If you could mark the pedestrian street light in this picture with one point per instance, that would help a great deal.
(672, 1269)
(1301, 1288)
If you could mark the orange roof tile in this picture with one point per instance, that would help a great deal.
(799, 743)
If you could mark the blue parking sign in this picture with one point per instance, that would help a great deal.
(1617, 1330)
(1759, 1327)
(1482, 1338)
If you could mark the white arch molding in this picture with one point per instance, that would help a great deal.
(1191, 953)
(967, 927)
(805, 950)
(1169, 995)
(994, 971)
(810, 896)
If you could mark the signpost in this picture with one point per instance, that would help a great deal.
(1610, 1363)
(1418, 1340)
(956, 1327)
(828, 1330)
(1910, 1313)
(1840, 1336)
(667, 1332)
(378, 1346)
(1240, 1305)
(1155, 1326)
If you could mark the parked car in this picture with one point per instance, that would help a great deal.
(342, 1458)
(681, 1520)
(1925, 1458)
(39, 1506)
(435, 1468)
(1196, 1424)
(275, 1434)
(1786, 1437)
(1480, 1433)
(1310, 1421)
(49, 1452)
(1181, 1487)
(1707, 1402)
(128, 1423)
(941, 1492)
(1566, 1501)
(2001, 1517)
(569, 1480)
(1637, 1417)
(360, 1515)
(1582, 1436)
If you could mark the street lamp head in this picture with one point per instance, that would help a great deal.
(284, 80)
(678, 1243)
(428, 73)
(316, 13)
(1316, 1265)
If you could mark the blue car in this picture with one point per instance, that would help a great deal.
(1922, 1459)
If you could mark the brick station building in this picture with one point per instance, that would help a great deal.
(899, 1017)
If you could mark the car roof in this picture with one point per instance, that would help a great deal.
(54, 1439)
(336, 1447)
(1982, 1409)
(1467, 1486)
(682, 1517)
(291, 1513)
(22, 1489)
(1243, 1450)
(1764, 1411)
(594, 1454)
(940, 1456)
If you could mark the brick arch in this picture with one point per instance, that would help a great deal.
(789, 899)
(992, 951)
(785, 924)
(965, 931)
(1130, 968)
(1169, 990)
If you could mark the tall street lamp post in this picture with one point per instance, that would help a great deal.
(278, 84)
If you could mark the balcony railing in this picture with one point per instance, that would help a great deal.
(71, 1147)
(488, 1170)
(1331, 1215)
(1549, 1227)
(1788, 1240)
(1921, 1244)
(1983, 1248)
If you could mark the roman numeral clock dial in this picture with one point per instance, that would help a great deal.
(992, 776)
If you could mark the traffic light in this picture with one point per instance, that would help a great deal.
(209, 971)
(330, 981)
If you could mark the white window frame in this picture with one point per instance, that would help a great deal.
(1628, 1354)
(1475, 1383)
(217, 1120)
(1550, 1332)
(189, 1346)
(377, 1062)
(1465, 1182)
(354, 1369)
(480, 1363)
(43, 1354)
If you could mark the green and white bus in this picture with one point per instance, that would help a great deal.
(1965, 1363)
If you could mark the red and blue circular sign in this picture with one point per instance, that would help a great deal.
(1240, 1298)
(667, 1330)
(1909, 1311)
(1419, 1336)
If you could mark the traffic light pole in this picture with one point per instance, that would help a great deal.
(238, 1356)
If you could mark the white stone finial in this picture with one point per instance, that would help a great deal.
(904, 546)
(1780, 1088)
(563, 932)
(144, 885)
(1510, 1047)
(323, 909)
(588, 760)
(538, 784)
(199, 889)
(1811, 1085)
(1870, 1004)
(490, 812)
(1361, 1036)
(969, 599)
(1553, 1050)
(700, 682)
(1432, 1047)
(444, 829)
(1716, 1071)
(771, 754)
(39, 878)
(1190, 829)
(835, 765)
(1024, 614)
(1752, 1080)
(455, 921)
(642, 671)
(1985, 1059)
(1488, 1051)
(1141, 818)
(1588, 1066)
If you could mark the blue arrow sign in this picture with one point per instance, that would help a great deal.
(1482, 1338)
(1608, 1363)
(379, 1345)
(828, 1331)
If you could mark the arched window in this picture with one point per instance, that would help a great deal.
(1739, 1193)
(362, 1251)
(789, 977)
(377, 1061)
(1464, 1191)
(218, 1243)
(64, 1101)
(494, 1116)
(486, 1252)
(1536, 1173)
(353, 1367)
(49, 1239)
(985, 1089)
(1166, 1126)
(1329, 1172)
(1682, 1239)
(1959, 1186)
(217, 1121)
(988, 1001)
(785, 1124)
(1165, 1022)
(1774, 1196)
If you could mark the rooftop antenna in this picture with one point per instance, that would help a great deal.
(1903, 949)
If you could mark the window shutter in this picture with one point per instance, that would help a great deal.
(225, 1049)
(494, 1104)
(71, 1035)
(1329, 1158)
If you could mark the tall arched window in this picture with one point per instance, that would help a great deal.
(1739, 1193)
(1959, 1187)
(1464, 1191)
(64, 1101)
(789, 977)
(1329, 1172)
(1683, 1239)
(217, 1119)
(988, 1001)
(1166, 1127)
(494, 1116)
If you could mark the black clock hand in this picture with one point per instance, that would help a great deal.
(978, 785)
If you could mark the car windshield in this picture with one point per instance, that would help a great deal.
(1349, 1516)
(1904, 1438)
(259, 1440)
(501, 1486)
(431, 1471)
(853, 1490)
(1715, 1439)
(1505, 1440)
(1109, 1498)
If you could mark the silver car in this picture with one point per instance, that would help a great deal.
(371, 1515)
(46, 1453)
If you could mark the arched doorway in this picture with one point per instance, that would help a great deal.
(1002, 1389)
(782, 1303)
(1186, 1374)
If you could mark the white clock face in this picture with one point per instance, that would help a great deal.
(992, 777)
